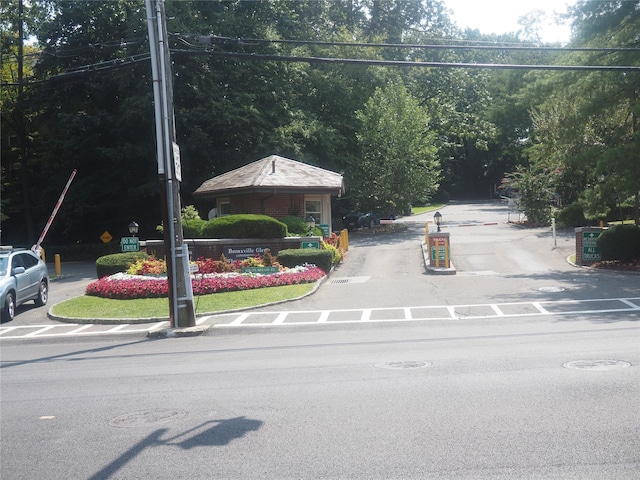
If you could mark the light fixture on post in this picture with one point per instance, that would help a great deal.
(311, 224)
(133, 228)
(438, 219)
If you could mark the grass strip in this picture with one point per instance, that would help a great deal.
(96, 307)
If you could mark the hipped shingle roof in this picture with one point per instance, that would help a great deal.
(274, 173)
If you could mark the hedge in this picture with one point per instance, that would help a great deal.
(620, 242)
(300, 256)
(118, 262)
(244, 226)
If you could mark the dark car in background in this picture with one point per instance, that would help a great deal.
(355, 220)
(23, 277)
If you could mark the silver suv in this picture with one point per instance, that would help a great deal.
(23, 277)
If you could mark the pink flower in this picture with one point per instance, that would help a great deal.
(123, 287)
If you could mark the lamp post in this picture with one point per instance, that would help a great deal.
(133, 228)
(311, 224)
(438, 219)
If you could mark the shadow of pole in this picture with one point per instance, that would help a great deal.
(221, 433)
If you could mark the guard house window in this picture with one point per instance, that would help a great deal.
(313, 207)
(224, 207)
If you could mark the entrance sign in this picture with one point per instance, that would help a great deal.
(311, 244)
(242, 253)
(590, 250)
(587, 250)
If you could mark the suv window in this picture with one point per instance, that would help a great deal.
(16, 261)
(28, 260)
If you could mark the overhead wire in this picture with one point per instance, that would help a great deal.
(204, 42)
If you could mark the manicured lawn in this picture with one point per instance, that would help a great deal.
(426, 208)
(96, 307)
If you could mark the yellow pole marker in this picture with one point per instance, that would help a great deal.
(58, 268)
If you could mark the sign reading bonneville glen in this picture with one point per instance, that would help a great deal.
(590, 250)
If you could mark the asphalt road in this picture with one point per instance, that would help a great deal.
(522, 396)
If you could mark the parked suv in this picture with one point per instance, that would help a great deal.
(23, 277)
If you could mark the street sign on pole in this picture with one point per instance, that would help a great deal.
(130, 244)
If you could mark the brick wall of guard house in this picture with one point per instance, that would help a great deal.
(213, 248)
(277, 206)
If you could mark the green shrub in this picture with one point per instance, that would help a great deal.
(620, 242)
(193, 228)
(299, 256)
(244, 226)
(296, 226)
(336, 254)
(118, 262)
(571, 216)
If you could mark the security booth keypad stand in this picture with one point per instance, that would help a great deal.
(439, 253)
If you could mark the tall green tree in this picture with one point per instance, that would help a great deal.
(399, 163)
(587, 126)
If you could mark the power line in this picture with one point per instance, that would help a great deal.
(208, 39)
(405, 63)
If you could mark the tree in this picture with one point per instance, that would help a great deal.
(586, 127)
(398, 164)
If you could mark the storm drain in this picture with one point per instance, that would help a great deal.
(597, 364)
(551, 289)
(147, 418)
(344, 280)
(403, 365)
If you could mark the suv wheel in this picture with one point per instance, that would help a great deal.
(43, 294)
(9, 308)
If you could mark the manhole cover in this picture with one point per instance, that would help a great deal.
(401, 365)
(597, 364)
(147, 418)
(551, 289)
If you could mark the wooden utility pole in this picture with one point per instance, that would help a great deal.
(181, 310)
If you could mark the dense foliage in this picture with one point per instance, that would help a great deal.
(83, 100)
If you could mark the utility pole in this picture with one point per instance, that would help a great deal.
(181, 310)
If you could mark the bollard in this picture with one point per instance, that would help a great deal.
(58, 269)
(344, 239)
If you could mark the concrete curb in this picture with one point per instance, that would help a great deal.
(180, 332)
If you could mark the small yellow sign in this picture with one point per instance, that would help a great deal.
(106, 237)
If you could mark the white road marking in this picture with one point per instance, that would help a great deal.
(367, 315)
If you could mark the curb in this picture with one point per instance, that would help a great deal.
(180, 332)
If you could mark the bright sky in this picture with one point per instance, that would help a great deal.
(501, 16)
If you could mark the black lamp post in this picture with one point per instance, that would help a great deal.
(133, 228)
(438, 219)
(311, 223)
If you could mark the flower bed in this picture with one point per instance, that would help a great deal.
(125, 286)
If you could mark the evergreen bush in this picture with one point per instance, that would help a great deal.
(571, 216)
(620, 242)
(118, 262)
(296, 226)
(193, 228)
(244, 226)
(300, 256)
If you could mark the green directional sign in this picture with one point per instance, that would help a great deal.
(310, 244)
(130, 244)
(590, 249)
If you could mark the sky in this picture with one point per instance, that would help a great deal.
(501, 16)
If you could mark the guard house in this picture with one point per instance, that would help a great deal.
(274, 186)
